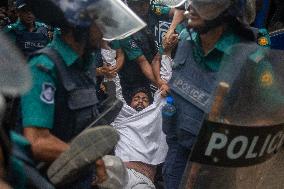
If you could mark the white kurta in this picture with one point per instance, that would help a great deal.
(141, 135)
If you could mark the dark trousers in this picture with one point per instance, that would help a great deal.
(175, 164)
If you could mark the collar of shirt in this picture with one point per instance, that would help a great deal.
(227, 39)
(212, 60)
(20, 26)
(67, 53)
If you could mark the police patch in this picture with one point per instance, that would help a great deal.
(133, 44)
(266, 78)
(263, 41)
(47, 93)
(158, 11)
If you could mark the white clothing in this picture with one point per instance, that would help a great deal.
(141, 135)
(138, 181)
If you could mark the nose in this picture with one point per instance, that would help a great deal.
(140, 100)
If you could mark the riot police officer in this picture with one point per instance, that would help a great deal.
(215, 26)
(62, 101)
(28, 34)
(139, 50)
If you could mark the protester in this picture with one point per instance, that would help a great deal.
(142, 144)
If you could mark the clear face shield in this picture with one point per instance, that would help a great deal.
(240, 145)
(171, 3)
(115, 19)
(211, 9)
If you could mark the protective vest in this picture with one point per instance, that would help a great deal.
(29, 42)
(75, 99)
(131, 71)
(192, 88)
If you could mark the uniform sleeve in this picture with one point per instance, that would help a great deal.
(38, 104)
(115, 44)
(160, 10)
(263, 38)
(9, 31)
(130, 48)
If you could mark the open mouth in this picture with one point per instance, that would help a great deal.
(139, 108)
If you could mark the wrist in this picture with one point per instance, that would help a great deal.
(99, 71)
(168, 53)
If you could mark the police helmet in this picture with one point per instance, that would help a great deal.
(20, 4)
(113, 17)
(211, 9)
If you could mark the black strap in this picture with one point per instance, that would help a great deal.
(33, 176)
(60, 65)
(35, 179)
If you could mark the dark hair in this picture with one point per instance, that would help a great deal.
(143, 90)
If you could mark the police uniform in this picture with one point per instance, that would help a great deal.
(263, 38)
(192, 86)
(131, 75)
(62, 99)
(28, 41)
(158, 21)
(23, 171)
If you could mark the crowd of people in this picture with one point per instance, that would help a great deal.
(101, 72)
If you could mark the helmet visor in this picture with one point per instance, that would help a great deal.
(171, 3)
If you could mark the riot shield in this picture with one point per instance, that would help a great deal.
(240, 145)
(15, 76)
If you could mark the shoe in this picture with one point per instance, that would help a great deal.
(84, 150)
(117, 173)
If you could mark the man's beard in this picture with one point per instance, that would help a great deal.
(209, 25)
(139, 108)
